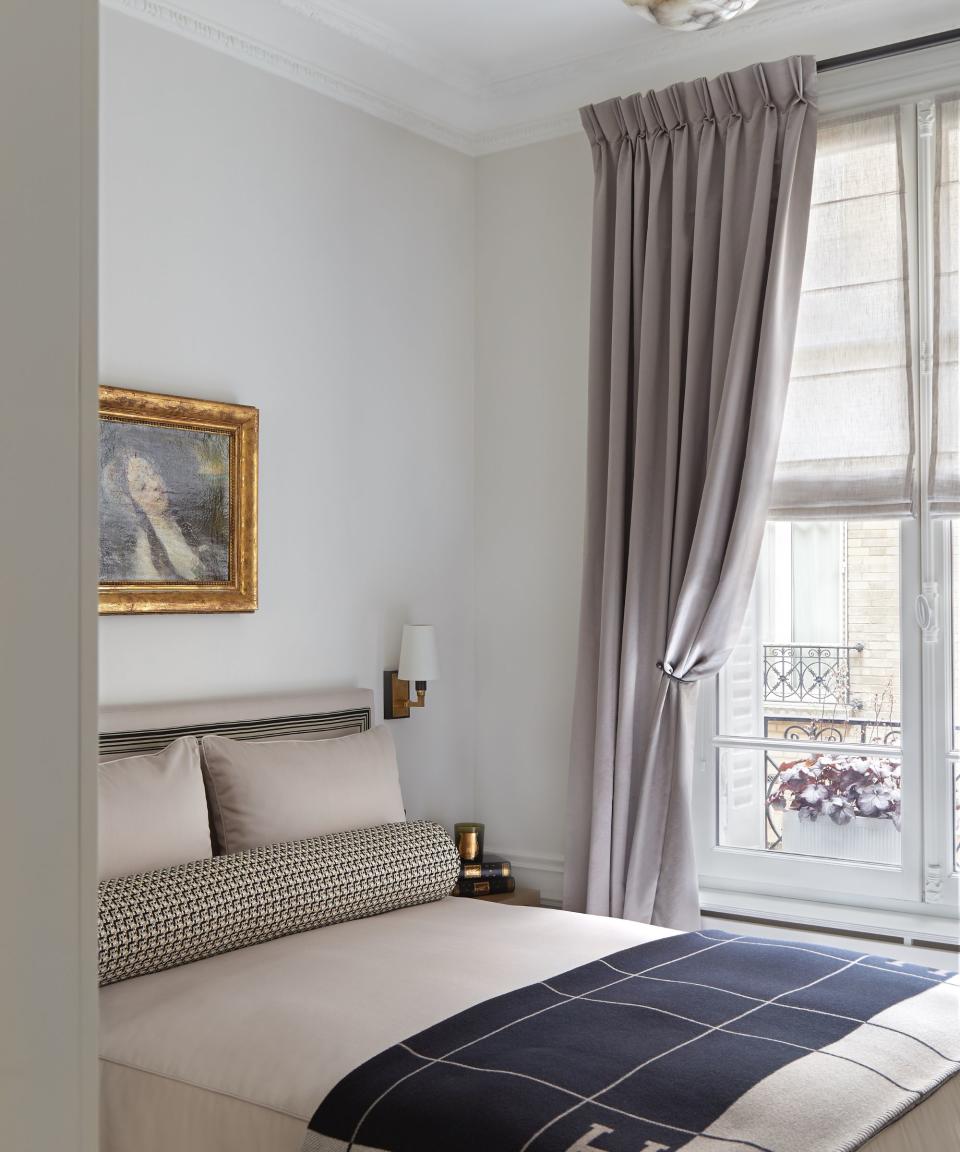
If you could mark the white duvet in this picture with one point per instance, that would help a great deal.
(234, 1053)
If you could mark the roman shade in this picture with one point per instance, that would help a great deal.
(848, 443)
(945, 459)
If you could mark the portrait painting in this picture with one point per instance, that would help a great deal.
(177, 504)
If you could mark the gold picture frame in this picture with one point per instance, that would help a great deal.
(178, 504)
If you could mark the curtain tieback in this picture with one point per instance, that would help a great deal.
(669, 672)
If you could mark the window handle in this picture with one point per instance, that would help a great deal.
(926, 610)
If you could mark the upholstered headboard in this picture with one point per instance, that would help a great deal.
(128, 729)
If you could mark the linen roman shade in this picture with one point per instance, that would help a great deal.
(848, 443)
(945, 459)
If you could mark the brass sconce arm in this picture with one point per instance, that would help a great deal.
(397, 699)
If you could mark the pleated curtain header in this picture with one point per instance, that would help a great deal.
(779, 86)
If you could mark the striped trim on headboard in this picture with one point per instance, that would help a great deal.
(343, 723)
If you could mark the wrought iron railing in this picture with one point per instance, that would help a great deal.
(843, 731)
(860, 731)
(797, 674)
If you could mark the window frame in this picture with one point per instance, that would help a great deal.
(926, 884)
(835, 881)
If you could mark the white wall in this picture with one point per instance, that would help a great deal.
(48, 983)
(534, 212)
(264, 245)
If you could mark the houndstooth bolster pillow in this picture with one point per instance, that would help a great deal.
(160, 919)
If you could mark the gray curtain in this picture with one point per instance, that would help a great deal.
(700, 221)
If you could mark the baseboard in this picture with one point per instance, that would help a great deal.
(887, 933)
(939, 957)
(909, 927)
(537, 870)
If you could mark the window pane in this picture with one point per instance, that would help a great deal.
(830, 805)
(819, 654)
(955, 567)
(954, 767)
(818, 660)
(956, 816)
(945, 465)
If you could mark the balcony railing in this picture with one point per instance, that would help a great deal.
(797, 674)
(841, 731)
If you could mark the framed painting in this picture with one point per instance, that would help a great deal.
(178, 504)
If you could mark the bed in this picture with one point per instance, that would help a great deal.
(235, 1051)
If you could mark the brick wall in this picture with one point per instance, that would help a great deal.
(873, 616)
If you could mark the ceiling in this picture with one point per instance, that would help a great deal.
(482, 75)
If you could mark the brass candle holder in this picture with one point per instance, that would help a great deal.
(468, 838)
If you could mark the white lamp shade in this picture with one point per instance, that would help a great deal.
(418, 653)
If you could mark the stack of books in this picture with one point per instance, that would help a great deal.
(486, 877)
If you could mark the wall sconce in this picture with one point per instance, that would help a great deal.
(418, 662)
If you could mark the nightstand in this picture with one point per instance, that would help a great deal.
(528, 897)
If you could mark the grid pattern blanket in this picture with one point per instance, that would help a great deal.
(706, 1042)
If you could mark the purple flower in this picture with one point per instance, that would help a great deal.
(839, 787)
(877, 800)
(813, 794)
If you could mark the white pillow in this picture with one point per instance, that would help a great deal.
(152, 811)
(273, 791)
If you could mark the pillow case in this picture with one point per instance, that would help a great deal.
(152, 811)
(275, 791)
(161, 919)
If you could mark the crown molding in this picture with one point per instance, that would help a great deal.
(388, 41)
(686, 47)
(530, 132)
(477, 114)
(231, 43)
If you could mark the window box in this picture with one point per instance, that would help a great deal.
(865, 838)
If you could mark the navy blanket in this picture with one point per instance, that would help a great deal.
(706, 1042)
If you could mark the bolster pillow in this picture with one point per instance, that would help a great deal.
(157, 920)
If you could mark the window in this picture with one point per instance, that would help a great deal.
(954, 742)
(835, 680)
(945, 466)
(830, 743)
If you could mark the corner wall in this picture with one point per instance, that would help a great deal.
(534, 213)
(261, 244)
(48, 358)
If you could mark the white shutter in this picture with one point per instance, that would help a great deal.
(742, 777)
(817, 562)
